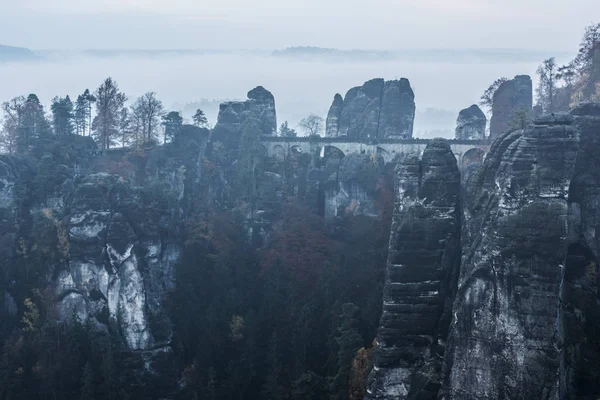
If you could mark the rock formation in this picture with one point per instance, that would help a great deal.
(332, 122)
(376, 110)
(505, 335)
(260, 107)
(523, 302)
(109, 244)
(422, 264)
(351, 185)
(513, 98)
(471, 124)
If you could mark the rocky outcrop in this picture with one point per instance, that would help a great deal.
(397, 116)
(422, 264)
(333, 117)
(376, 110)
(512, 105)
(525, 296)
(259, 107)
(359, 118)
(109, 247)
(580, 367)
(350, 187)
(471, 124)
(505, 334)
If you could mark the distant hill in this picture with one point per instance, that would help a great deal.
(9, 53)
(333, 54)
(421, 55)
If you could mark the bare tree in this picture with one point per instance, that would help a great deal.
(150, 111)
(546, 90)
(487, 99)
(8, 136)
(25, 121)
(588, 61)
(109, 103)
(312, 125)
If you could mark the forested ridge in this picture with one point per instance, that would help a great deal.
(269, 299)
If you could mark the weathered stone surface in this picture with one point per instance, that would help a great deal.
(376, 110)
(504, 341)
(422, 264)
(397, 115)
(360, 113)
(512, 97)
(471, 124)
(580, 290)
(526, 309)
(333, 117)
(351, 185)
(260, 106)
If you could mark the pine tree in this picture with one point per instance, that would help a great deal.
(89, 99)
(286, 131)
(172, 123)
(521, 119)
(62, 115)
(200, 119)
(125, 127)
(80, 116)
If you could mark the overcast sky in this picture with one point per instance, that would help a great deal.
(262, 24)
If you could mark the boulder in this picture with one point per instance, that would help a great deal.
(471, 124)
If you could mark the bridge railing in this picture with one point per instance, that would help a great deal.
(329, 140)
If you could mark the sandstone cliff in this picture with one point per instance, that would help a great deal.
(512, 105)
(525, 301)
(422, 265)
(260, 106)
(471, 124)
(377, 110)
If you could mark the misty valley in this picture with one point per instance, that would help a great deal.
(307, 223)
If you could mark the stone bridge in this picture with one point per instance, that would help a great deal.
(466, 151)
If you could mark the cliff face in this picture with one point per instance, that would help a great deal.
(376, 110)
(504, 341)
(512, 105)
(103, 247)
(580, 367)
(422, 263)
(525, 304)
(260, 107)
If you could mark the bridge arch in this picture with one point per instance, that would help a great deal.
(278, 152)
(329, 151)
(386, 155)
(474, 155)
(296, 149)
